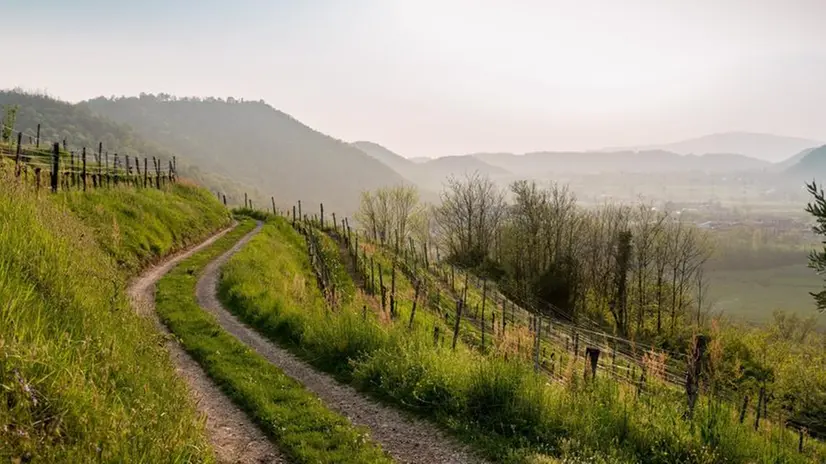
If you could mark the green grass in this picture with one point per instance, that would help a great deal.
(753, 295)
(138, 228)
(83, 378)
(499, 405)
(303, 428)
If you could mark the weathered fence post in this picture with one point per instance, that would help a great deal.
(695, 366)
(145, 172)
(392, 289)
(593, 356)
(321, 216)
(300, 217)
(484, 298)
(273, 205)
(108, 176)
(760, 399)
(83, 156)
(459, 305)
(382, 289)
(17, 156)
(37, 143)
(415, 299)
(224, 198)
(115, 173)
(55, 165)
(245, 200)
(744, 408)
(537, 341)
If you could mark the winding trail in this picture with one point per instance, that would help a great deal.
(406, 439)
(234, 437)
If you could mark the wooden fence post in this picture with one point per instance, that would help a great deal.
(484, 298)
(300, 217)
(293, 216)
(83, 155)
(392, 289)
(760, 398)
(225, 199)
(382, 289)
(744, 408)
(108, 176)
(537, 342)
(695, 366)
(321, 209)
(273, 205)
(55, 165)
(415, 299)
(115, 172)
(459, 305)
(17, 156)
(593, 356)
(37, 143)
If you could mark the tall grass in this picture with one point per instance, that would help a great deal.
(499, 404)
(82, 377)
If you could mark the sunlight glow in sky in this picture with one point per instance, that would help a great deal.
(434, 78)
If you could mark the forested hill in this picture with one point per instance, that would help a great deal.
(81, 127)
(256, 145)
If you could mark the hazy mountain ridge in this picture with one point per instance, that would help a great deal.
(812, 164)
(257, 145)
(430, 173)
(766, 147)
(544, 163)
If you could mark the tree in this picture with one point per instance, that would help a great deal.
(471, 212)
(390, 211)
(817, 258)
(9, 118)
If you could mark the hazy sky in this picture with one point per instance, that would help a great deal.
(442, 77)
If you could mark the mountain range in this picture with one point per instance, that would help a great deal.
(236, 147)
(766, 147)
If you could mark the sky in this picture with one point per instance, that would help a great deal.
(446, 77)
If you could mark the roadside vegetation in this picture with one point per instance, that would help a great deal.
(83, 378)
(494, 400)
(294, 418)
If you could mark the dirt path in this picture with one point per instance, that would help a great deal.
(406, 439)
(234, 438)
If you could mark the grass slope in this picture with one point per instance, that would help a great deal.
(82, 377)
(500, 405)
(301, 426)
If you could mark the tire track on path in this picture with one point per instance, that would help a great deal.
(234, 437)
(406, 439)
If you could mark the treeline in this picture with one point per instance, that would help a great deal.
(634, 268)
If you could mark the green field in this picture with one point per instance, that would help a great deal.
(752, 295)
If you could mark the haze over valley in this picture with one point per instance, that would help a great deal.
(374, 232)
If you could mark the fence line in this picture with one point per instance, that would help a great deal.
(80, 168)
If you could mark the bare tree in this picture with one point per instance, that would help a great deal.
(471, 211)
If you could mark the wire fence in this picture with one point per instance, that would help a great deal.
(61, 166)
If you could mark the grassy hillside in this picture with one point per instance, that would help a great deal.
(494, 400)
(80, 127)
(257, 145)
(83, 378)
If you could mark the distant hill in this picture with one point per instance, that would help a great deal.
(540, 164)
(767, 147)
(420, 159)
(791, 161)
(81, 127)
(811, 166)
(430, 173)
(257, 145)
(398, 163)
